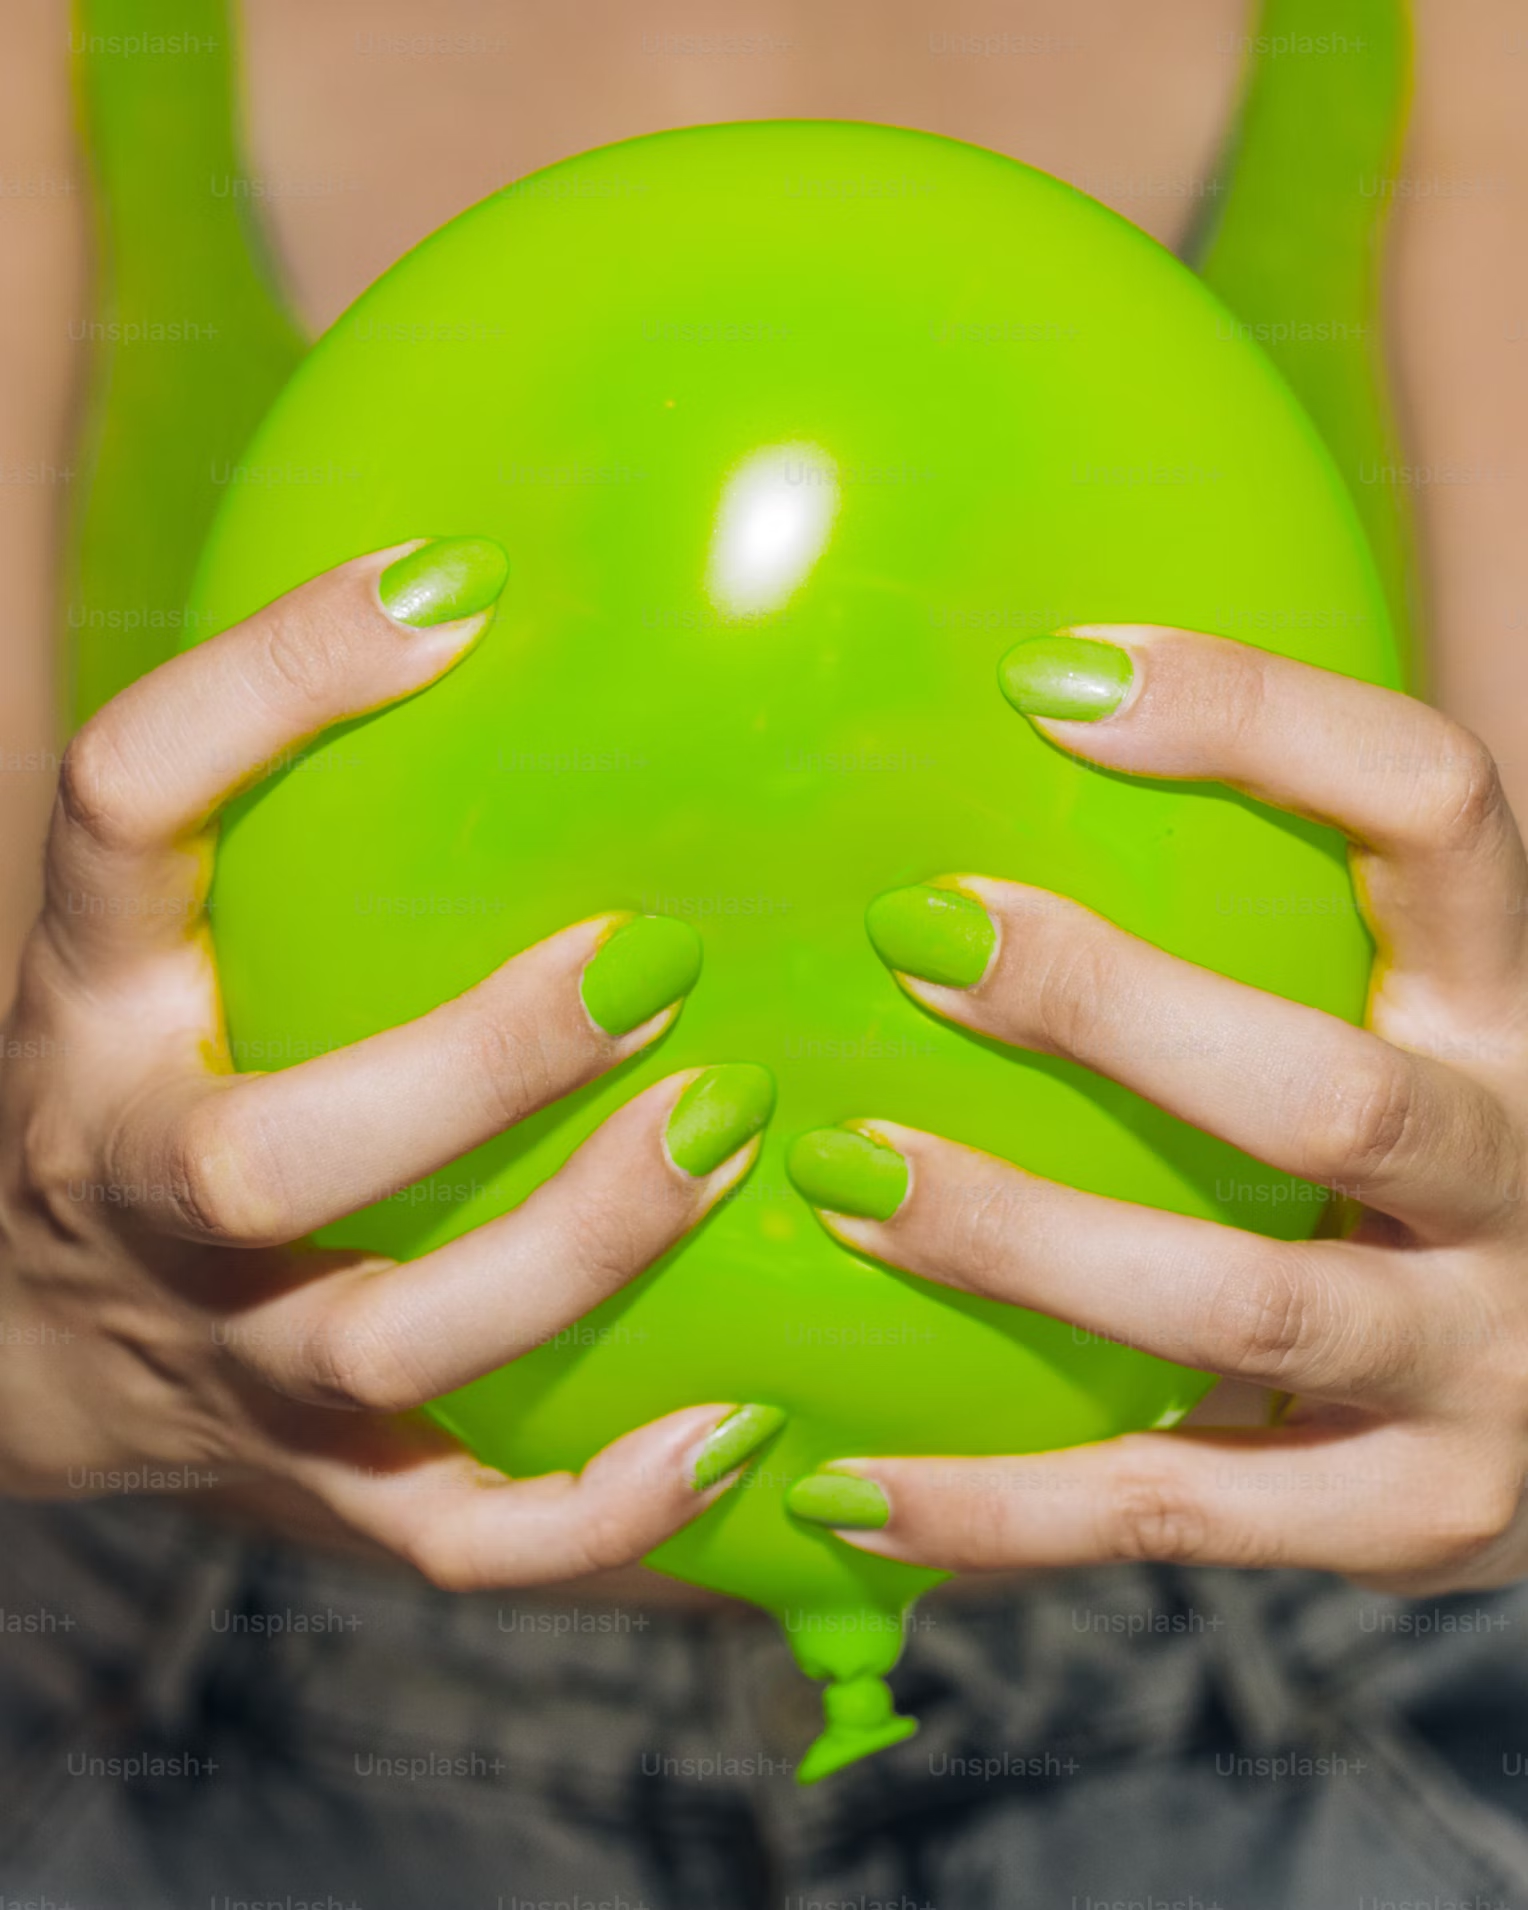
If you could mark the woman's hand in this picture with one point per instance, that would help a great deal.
(162, 1329)
(1402, 1464)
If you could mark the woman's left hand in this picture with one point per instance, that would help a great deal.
(1402, 1462)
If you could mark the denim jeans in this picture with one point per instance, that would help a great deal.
(189, 1718)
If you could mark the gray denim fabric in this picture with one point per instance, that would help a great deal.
(188, 1719)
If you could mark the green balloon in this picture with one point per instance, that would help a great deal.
(791, 430)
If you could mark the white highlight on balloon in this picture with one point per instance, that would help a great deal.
(772, 525)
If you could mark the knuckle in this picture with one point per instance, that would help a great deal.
(1468, 1524)
(350, 1361)
(612, 1235)
(1233, 698)
(1082, 974)
(513, 1068)
(53, 1160)
(975, 1243)
(440, 1554)
(299, 658)
(1465, 794)
(982, 1526)
(1364, 1122)
(607, 1540)
(96, 787)
(1151, 1514)
(218, 1182)
(1266, 1326)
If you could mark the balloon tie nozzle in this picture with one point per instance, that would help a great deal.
(861, 1718)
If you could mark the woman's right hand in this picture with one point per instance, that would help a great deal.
(165, 1326)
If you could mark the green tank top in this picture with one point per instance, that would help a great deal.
(191, 338)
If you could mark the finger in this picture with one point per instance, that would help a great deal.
(1292, 1086)
(468, 1528)
(1378, 1501)
(387, 1339)
(258, 1160)
(1330, 1319)
(1438, 861)
(129, 855)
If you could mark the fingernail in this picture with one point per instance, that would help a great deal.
(447, 578)
(839, 1498)
(1077, 679)
(647, 963)
(848, 1173)
(939, 935)
(717, 1112)
(738, 1436)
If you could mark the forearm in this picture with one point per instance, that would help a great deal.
(1458, 326)
(42, 238)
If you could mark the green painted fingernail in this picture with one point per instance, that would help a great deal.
(1077, 679)
(647, 963)
(738, 1436)
(717, 1112)
(848, 1173)
(449, 577)
(939, 935)
(839, 1498)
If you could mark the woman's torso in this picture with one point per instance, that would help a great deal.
(367, 126)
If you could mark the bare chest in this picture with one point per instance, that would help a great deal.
(371, 121)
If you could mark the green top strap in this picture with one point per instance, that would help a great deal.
(1295, 250)
(189, 339)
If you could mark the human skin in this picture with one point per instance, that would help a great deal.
(1134, 97)
(153, 1202)
(1405, 1338)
